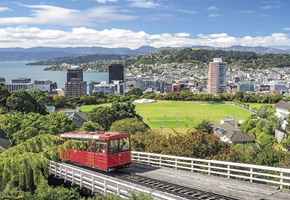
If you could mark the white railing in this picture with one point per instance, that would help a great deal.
(97, 182)
(252, 173)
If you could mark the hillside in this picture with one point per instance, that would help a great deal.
(200, 56)
(77, 59)
(183, 57)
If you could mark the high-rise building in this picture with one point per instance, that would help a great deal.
(75, 74)
(75, 86)
(217, 76)
(116, 73)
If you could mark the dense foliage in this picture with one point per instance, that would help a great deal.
(105, 116)
(129, 125)
(20, 126)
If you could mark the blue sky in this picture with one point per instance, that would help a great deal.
(135, 23)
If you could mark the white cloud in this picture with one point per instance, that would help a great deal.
(212, 8)
(105, 1)
(144, 3)
(33, 36)
(269, 7)
(213, 15)
(187, 11)
(287, 29)
(5, 9)
(182, 34)
(47, 14)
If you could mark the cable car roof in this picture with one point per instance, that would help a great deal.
(93, 135)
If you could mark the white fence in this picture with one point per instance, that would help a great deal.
(253, 173)
(96, 182)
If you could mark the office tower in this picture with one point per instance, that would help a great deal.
(116, 76)
(75, 86)
(116, 73)
(74, 74)
(217, 76)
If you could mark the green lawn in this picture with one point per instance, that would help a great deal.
(180, 114)
(258, 105)
(91, 107)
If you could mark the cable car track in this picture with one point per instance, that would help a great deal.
(166, 187)
(178, 190)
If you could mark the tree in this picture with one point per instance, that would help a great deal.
(20, 126)
(41, 97)
(129, 125)
(98, 94)
(25, 166)
(105, 116)
(135, 91)
(265, 111)
(59, 123)
(205, 126)
(22, 101)
(91, 126)
(4, 94)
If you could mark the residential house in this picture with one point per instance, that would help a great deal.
(79, 118)
(282, 112)
(227, 132)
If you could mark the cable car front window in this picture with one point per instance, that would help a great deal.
(124, 144)
(113, 146)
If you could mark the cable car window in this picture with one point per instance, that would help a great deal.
(101, 146)
(91, 145)
(124, 144)
(113, 146)
(85, 145)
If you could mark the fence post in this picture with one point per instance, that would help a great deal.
(73, 177)
(65, 174)
(60, 171)
(175, 163)
(281, 180)
(81, 180)
(93, 184)
(148, 160)
(208, 169)
(191, 166)
(160, 161)
(118, 189)
(229, 171)
(105, 187)
(251, 175)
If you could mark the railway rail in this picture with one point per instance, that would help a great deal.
(178, 190)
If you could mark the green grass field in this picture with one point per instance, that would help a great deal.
(182, 115)
(258, 105)
(91, 107)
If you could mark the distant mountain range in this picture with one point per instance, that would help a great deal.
(43, 53)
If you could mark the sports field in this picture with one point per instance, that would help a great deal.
(180, 114)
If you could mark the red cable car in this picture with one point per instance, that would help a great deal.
(106, 151)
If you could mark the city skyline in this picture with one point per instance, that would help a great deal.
(136, 23)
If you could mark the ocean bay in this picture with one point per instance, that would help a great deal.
(17, 69)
